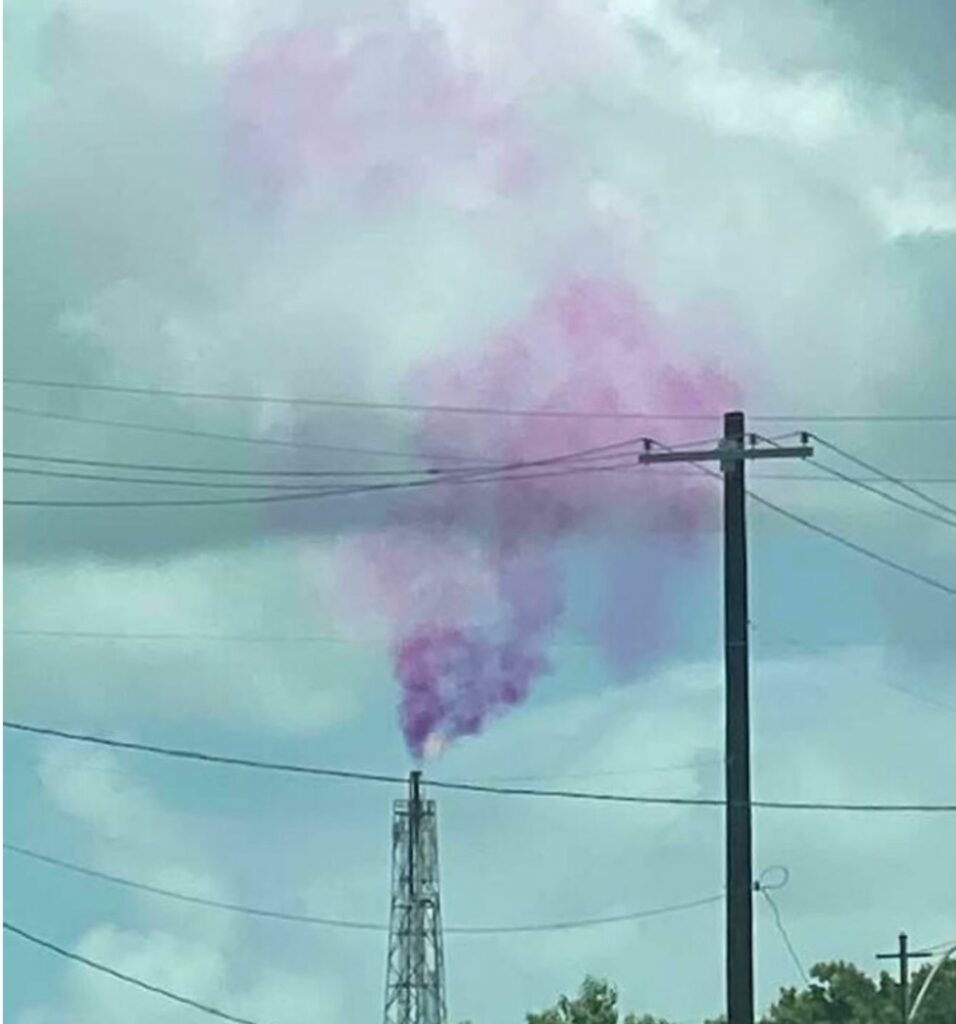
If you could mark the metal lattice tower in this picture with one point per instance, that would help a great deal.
(415, 978)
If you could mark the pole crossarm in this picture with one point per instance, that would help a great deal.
(729, 454)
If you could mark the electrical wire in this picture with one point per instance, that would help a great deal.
(480, 465)
(212, 435)
(867, 486)
(130, 979)
(469, 410)
(461, 474)
(203, 756)
(490, 475)
(889, 478)
(372, 926)
(874, 556)
(894, 499)
(161, 481)
(129, 883)
(778, 921)
(255, 638)
(780, 805)
(162, 467)
(837, 538)
(373, 472)
(484, 474)
(346, 403)
(470, 787)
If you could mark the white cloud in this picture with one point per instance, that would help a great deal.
(286, 688)
(196, 953)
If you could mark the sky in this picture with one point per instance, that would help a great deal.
(668, 206)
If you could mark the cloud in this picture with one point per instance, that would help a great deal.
(184, 966)
(206, 955)
(279, 686)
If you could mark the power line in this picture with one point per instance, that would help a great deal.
(79, 634)
(889, 478)
(470, 787)
(901, 502)
(490, 475)
(780, 805)
(888, 563)
(334, 473)
(212, 435)
(468, 410)
(344, 403)
(591, 453)
(130, 979)
(203, 756)
(373, 926)
(254, 638)
(162, 467)
(202, 901)
(778, 920)
(161, 481)
(589, 922)
(867, 486)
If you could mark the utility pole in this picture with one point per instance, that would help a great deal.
(904, 954)
(732, 453)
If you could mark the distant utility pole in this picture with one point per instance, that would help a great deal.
(732, 453)
(415, 975)
(904, 954)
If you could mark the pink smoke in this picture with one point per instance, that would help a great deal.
(469, 575)
(378, 113)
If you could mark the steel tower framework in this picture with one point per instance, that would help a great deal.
(415, 976)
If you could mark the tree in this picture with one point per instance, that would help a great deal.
(596, 1003)
(841, 993)
(939, 1005)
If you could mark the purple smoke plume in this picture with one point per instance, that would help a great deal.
(379, 113)
(469, 575)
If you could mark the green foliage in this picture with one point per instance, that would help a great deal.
(596, 1003)
(839, 993)
(939, 1006)
(842, 994)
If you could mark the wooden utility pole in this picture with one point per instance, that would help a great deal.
(904, 954)
(732, 453)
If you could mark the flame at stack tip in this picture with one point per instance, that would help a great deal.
(435, 743)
